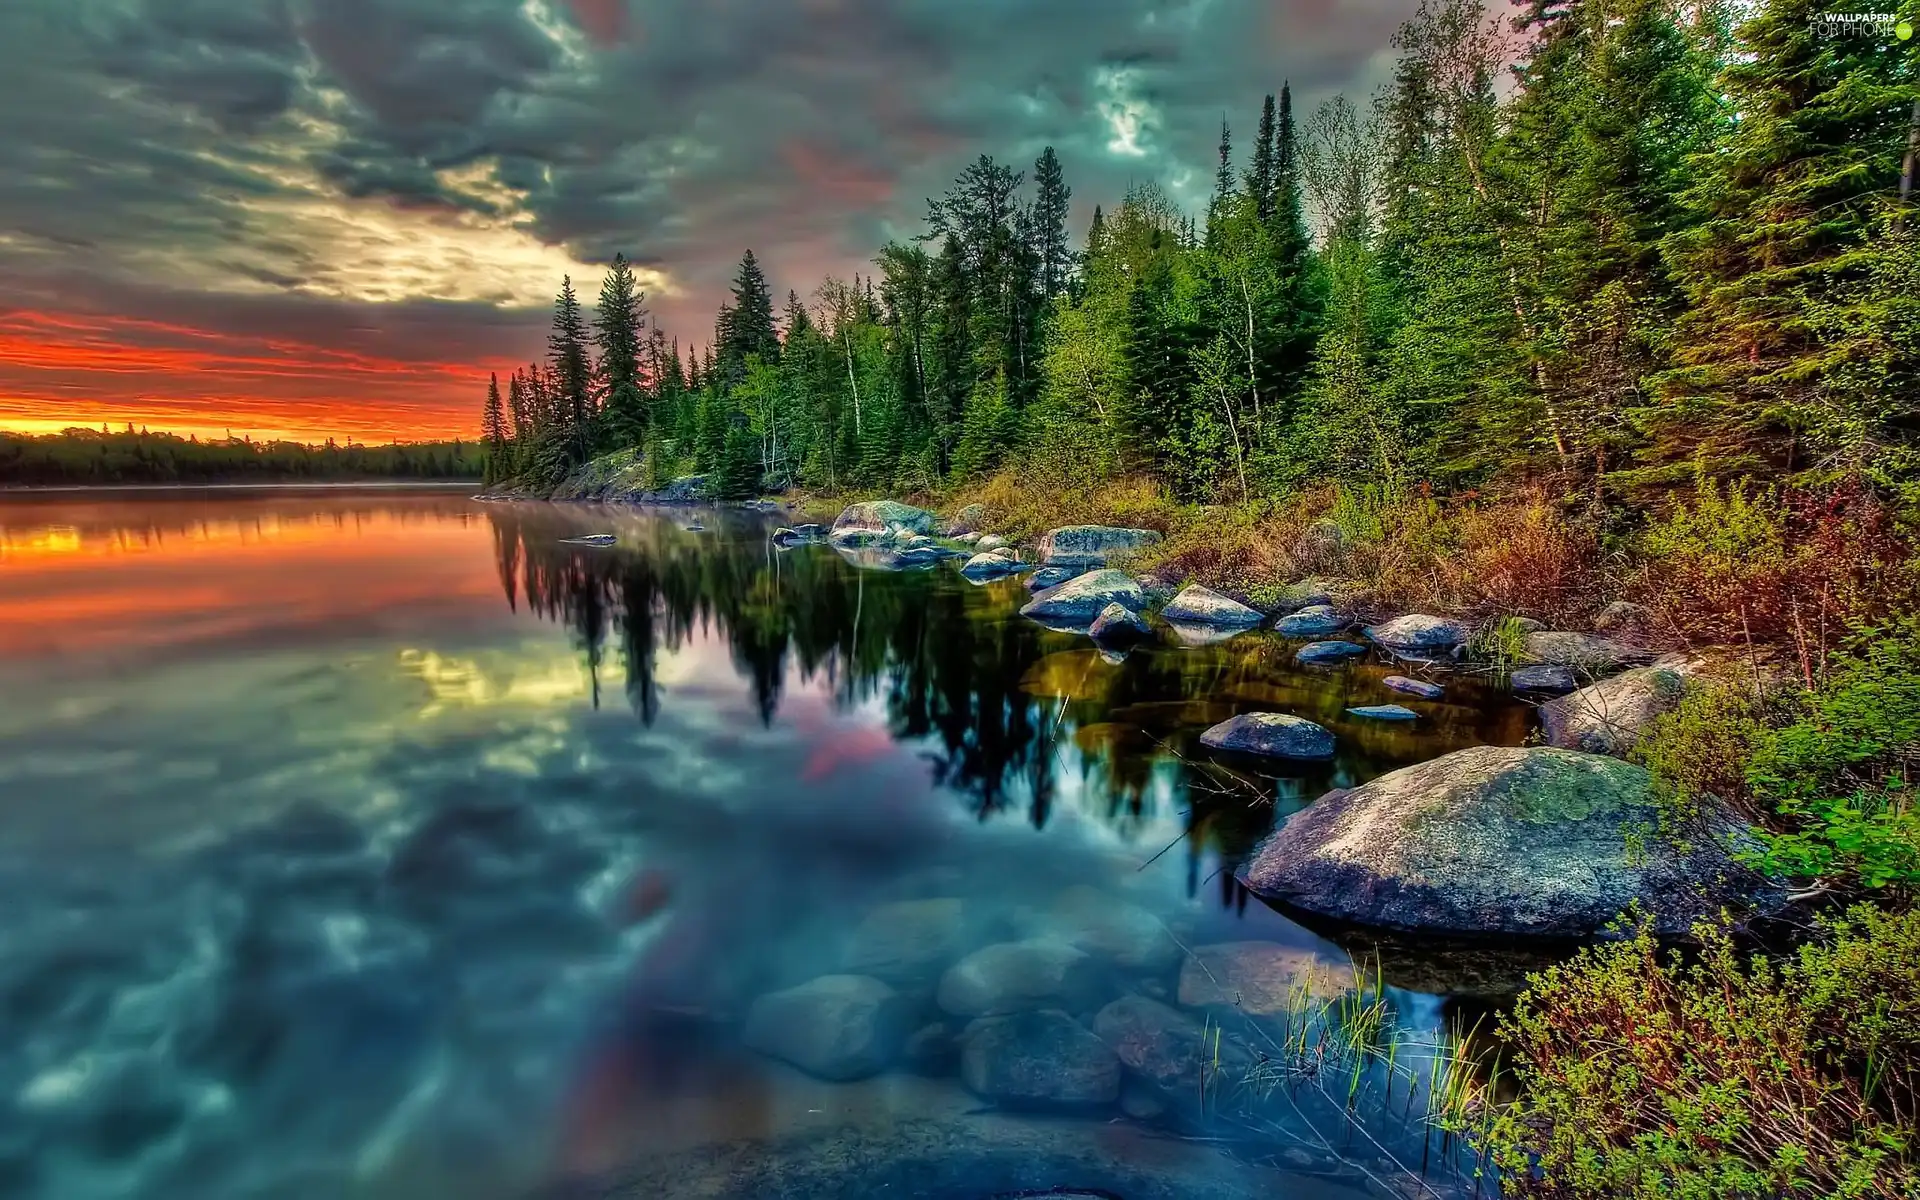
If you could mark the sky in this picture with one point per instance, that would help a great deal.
(314, 218)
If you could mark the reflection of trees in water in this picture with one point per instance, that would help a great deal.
(1011, 712)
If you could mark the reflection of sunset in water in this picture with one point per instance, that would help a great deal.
(182, 574)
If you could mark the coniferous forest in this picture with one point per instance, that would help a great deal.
(1618, 246)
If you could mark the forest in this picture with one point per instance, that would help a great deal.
(84, 457)
(1595, 300)
(1620, 246)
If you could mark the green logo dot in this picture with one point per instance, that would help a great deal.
(1904, 30)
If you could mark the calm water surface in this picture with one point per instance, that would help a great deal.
(383, 845)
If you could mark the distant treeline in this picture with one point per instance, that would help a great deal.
(90, 456)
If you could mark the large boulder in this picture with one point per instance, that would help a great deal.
(875, 520)
(1259, 978)
(1420, 636)
(1018, 976)
(1276, 735)
(1196, 605)
(1586, 652)
(1608, 717)
(1181, 1057)
(1313, 621)
(1091, 545)
(1079, 600)
(1042, 1059)
(1502, 840)
(836, 1027)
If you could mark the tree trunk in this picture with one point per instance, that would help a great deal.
(853, 385)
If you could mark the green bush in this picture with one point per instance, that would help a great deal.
(1642, 1075)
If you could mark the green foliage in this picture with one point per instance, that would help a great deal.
(1646, 1075)
(93, 456)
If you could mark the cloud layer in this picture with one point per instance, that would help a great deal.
(333, 216)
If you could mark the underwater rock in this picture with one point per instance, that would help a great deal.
(1326, 654)
(1504, 840)
(1079, 600)
(1167, 1049)
(1385, 712)
(1259, 978)
(1039, 1059)
(1315, 620)
(1108, 927)
(1087, 546)
(1196, 605)
(1018, 976)
(1276, 735)
(930, 1050)
(1414, 687)
(836, 1027)
(909, 941)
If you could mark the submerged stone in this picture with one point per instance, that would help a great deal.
(1414, 687)
(1276, 735)
(1385, 712)
(909, 941)
(1259, 978)
(1319, 654)
(1118, 624)
(1041, 1059)
(836, 1027)
(1108, 927)
(1504, 840)
(1018, 976)
(1179, 1057)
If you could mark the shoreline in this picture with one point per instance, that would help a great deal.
(448, 485)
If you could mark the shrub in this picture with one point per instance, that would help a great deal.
(1642, 1075)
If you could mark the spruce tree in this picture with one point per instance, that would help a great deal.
(571, 373)
(1050, 224)
(493, 429)
(747, 328)
(617, 325)
(1261, 177)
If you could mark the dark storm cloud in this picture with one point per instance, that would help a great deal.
(245, 149)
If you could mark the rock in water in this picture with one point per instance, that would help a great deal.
(1549, 680)
(1608, 717)
(1079, 600)
(591, 539)
(909, 941)
(1503, 840)
(1196, 605)
(1117, 624)
(1259, 978)
(873, 520)
(1087, 546)
(1420, 636)
(1169, 1049)
(1041, 1059)
(1322, 654)
(1414, 687)
(836, 1027)
(1385, 712)
(991, 566)
(1317, 620)
(1124, 934)
(1017, 976)
(1047, 577)
(1276, 735)
(1586, 652)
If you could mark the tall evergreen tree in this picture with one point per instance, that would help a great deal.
(572, 372)
(746, 326)
(1261, 177)
(1050, 224)
(493, 429)
(617, 324)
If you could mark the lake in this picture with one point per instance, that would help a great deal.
(384, 844)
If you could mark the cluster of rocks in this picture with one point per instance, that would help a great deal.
(1096, 1007)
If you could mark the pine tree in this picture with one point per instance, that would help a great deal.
(1798, 352)
(617, 324)
(746, 327)
(493, 430)
(572, 373)
(1260, 179)
(1050, 224)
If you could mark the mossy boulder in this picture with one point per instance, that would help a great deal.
(875, 520)
(1608, 717)
(1505, 840)
(1091, 545)
(1079, 600)
(1196, 605)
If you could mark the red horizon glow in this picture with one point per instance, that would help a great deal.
(61, 370)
